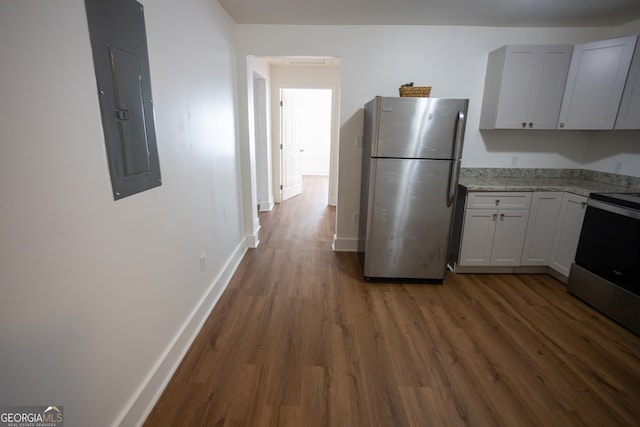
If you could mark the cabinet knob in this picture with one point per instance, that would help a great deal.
(495, 217)
(524, 125)
(501, 217)
(530, 125)
(497, 202)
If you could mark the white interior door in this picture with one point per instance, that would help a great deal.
(291, 145)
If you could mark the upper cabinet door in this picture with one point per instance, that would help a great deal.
(524, 87)
(516, 87)
(596, 80)
(546, 100)
(629, 113)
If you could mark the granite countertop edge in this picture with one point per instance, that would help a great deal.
(576, 181)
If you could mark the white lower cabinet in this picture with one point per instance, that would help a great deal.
(533, 231)
(511, 226)
(477, 237)
(494, 236)
(568, 233)
(541, 228)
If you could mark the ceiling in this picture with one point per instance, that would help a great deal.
(494, 13)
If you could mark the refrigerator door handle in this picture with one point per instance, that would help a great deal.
(457, 153)
(453, 181)
(459, 136)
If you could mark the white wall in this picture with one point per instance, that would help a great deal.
(99, 298)
(316, 130)
(375, 60)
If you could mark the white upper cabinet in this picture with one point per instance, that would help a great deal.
(595, 83)
(524, 87)
(629, 113)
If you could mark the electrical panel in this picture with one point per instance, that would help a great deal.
(119, 44)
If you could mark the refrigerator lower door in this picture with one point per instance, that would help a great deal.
(408, 221)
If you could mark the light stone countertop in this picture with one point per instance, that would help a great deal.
(577, 181)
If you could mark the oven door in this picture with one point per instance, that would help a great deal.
(609, 244)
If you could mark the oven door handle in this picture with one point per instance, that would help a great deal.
(620, 210)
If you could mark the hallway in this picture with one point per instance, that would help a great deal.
(300, 339)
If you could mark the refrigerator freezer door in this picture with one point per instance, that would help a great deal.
(424, 128)
(408, 219)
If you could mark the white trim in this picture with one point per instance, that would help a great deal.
(266, 206)
(516, 269)
(152, 387)
(305, 83)
(344, 244)
(254, 240)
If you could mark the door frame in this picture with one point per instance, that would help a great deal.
(333, 145)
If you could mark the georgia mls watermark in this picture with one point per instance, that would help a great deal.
(32, 416)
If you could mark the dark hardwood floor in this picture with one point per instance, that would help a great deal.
(300, 339)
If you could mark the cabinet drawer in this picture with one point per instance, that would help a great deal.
(502, 200)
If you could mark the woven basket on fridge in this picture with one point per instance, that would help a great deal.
(415, 91)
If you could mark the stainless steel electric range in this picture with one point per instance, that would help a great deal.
(606, 272)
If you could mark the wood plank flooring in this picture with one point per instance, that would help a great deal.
(300, 339)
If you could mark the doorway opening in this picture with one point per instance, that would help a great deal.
(268, 76)
(305, 137)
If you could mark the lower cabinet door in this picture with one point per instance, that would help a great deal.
(511, 227)
(541, 228)
(477, 237)
(568, 233)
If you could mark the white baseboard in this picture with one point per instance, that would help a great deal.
(253, 240)
(149, 392)
(266, 206)
(478, 269)
(558, 276)
(344, 244)
(520, 269)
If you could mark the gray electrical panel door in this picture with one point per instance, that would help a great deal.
(119, 43)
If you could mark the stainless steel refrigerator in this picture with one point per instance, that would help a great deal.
(410, 167)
